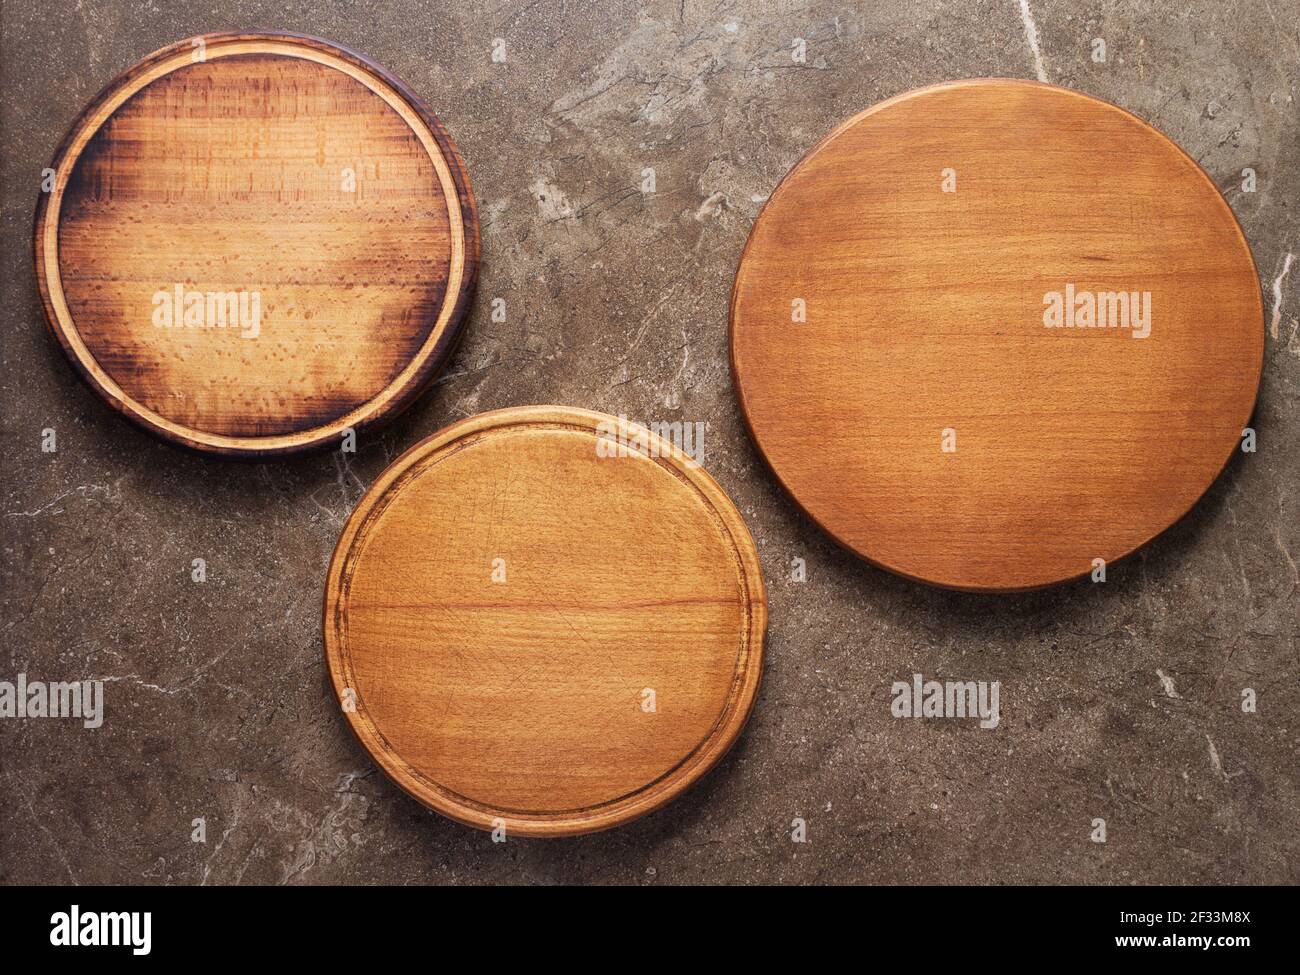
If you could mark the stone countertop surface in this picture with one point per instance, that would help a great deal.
(1120, 701)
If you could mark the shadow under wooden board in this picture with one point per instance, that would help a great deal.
(993, 334)
(255, 243)
(545, 620)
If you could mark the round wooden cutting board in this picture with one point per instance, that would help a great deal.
(991, 332)
(252, 243)
(545, 619)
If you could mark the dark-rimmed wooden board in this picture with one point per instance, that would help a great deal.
(896, 353)
(545, 620)
(254, 243)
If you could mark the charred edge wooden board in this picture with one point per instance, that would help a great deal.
(545, 619)
(254, 243)
(891, 347)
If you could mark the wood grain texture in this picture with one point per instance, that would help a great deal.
(267, 165)
(520, 698)
(925, 312)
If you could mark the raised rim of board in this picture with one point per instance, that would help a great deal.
(651, 796)
(888, 103)
(462, 210)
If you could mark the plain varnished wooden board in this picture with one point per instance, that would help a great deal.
(520, 702)
(925, 314)
(222, 164)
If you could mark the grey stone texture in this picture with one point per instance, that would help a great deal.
(1120, 701)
